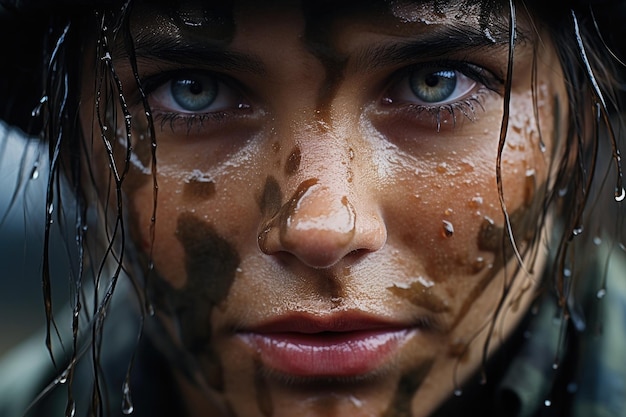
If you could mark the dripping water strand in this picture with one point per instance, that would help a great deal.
(503, 132)
(620, 193)
(118, 228)
(130, 48)
(501, 143)
(533, 86)
(54, 161)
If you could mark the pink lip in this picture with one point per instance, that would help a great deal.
(339, 346)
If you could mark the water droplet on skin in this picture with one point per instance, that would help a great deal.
(442, 168)
(475, 202)
(458, 392)
(448, 212)
(601, 293)
(447, 229)
(577, 231)
(597, 241)
(478, 265)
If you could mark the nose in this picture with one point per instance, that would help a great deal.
(326, 218)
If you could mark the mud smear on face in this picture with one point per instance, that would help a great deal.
(293, 162)
(318, 39)
(420, 294)
(271, 198)
(491, 238)
(211, 264)
(198, 187)
(280, 213)
(407, 387)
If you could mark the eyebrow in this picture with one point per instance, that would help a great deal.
(188, 51)
(444, 41)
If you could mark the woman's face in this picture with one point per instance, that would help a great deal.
(329, 232)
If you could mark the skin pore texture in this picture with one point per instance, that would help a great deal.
(318, 202)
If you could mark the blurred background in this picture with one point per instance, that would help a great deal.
(22, 208)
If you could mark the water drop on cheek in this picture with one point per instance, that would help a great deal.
(447, 229)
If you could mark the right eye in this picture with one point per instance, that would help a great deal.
(195, 92)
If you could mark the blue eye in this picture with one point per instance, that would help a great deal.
(429, 86)
(433, 86)
(194, 93)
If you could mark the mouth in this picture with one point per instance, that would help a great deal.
(334, 347)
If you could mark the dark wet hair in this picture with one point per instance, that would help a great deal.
(42, 90)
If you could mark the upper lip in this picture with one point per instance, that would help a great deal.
(308, 323)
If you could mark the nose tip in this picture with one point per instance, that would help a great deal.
(319, 227)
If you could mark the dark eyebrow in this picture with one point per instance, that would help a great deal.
(189, 52)
(432, 44)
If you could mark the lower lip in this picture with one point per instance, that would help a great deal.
(327, 354)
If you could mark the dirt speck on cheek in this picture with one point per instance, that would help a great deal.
(293, 162)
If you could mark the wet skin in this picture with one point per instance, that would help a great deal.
(317, 186)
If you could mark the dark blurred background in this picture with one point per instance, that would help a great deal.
(22, 194)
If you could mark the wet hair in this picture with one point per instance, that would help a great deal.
(588, 176)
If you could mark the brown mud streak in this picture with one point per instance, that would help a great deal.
(198, 189)
(318, 40)
(271, 198)
(293, 162)
(492, 238)
(407, 387)
(211, 264)
(422, 296)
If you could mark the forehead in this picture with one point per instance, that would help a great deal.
(222, 20)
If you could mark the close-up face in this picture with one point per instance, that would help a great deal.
(330, 232)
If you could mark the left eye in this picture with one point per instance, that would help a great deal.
(195, 93)
(430, 86)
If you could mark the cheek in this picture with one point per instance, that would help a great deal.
(444, 205)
